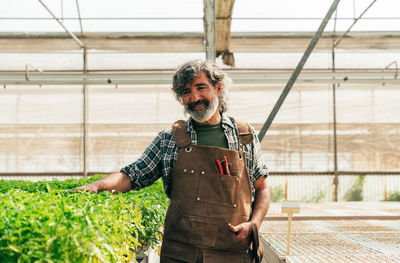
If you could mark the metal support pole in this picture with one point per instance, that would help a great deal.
(335, 44)
(298, 69)
(85, 91)
(209, 16)
(85, 117)
(335, 161)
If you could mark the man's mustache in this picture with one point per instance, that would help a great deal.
(199, 102)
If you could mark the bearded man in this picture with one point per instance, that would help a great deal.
(212, 170)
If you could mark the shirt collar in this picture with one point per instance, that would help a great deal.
(226, 123)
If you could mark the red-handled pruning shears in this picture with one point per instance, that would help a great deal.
(223, 166)
(226, 166)
(219, 166)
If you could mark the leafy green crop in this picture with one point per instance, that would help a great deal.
(39, 223)
(394, 196)
(277, 194)
(6, 185)
(355, 193)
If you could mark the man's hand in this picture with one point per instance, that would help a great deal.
(92, 187)
(261, 204)
(242, 231)
(116, 182)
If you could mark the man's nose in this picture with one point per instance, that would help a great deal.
(195, 96)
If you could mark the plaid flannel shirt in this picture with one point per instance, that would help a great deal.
(160, 156)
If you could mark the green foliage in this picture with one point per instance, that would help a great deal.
(355, 193)
(41, 186)
(277, 194)
(394, 196)
(39, 223)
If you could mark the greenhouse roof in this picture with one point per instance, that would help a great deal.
(187, 16)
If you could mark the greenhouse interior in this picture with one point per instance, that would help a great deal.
(86, 87)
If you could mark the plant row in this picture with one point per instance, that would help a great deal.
(39, 222)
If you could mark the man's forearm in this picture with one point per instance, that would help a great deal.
(118, 182)
(261, 201)
(260, 208)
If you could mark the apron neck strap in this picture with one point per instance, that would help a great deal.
(182, 138)
(245, 133)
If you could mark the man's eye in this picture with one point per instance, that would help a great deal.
(185, 92)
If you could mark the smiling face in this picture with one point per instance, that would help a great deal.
(200, 99)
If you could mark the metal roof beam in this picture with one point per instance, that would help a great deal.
(194, 42)
(239, 77)
(297, 71)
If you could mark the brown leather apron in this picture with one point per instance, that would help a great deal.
(203, 202)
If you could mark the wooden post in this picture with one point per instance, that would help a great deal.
(385, 188)
(286, 189)
(209, 17)
(290, 207)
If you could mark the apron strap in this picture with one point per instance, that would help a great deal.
(182, 138)
(245, 132)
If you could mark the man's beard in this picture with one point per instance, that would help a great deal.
(203, 114)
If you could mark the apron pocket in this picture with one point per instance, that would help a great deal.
(179, 231)
(204, 233)
(228, 241)
(173, 251)
(193, 230)
(218, 189)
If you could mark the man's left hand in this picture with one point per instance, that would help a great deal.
(242, 232)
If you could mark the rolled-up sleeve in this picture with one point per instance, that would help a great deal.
(147, 169)
(259, 164)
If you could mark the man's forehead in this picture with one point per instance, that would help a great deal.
(200, 79)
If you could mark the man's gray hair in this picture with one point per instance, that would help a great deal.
(187, 72)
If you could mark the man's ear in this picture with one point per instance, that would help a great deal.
(219, 89)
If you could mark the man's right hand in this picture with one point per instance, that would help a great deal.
(92, 187)
(116, 182)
